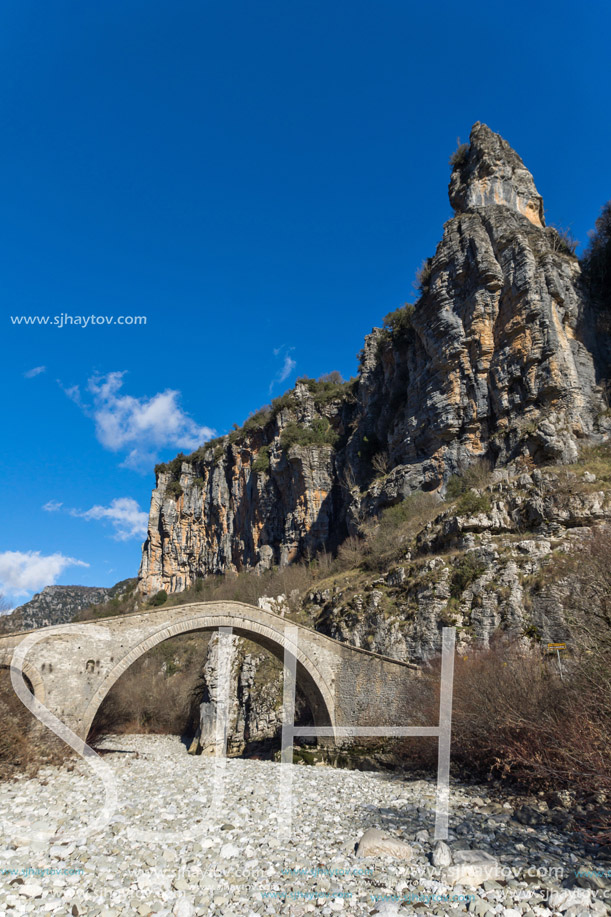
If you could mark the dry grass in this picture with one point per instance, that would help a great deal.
(159, 693)
(396, 527)
(249, 586)
(25, 745)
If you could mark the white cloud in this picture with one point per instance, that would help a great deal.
(73, 393)
(24, 572)
(140, 426)
(36, 371)
(128, 520)
(287, 368)
(288, 365)
(139, 460)
(52, 506)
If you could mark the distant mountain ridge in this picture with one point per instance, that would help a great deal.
(59, 605)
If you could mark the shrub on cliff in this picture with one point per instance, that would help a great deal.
(174, 467)
(261, 463)
(318, 433)
(174, 489)
(459, 156)
(596, 260)
(471, 503)
(327, 388)
(423, 275)
(395, 327)
(477, 475)
(561, 240)
(257, 421)
(466, 571)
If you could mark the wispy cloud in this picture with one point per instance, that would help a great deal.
(138, 426)
(288, 365)
(36, 371)
(73, 393)
(24, 572)
(124, 514)
(52, 506)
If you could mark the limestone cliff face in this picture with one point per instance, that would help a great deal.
(253, 499)
(489, 362)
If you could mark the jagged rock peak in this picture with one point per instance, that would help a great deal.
(489, 171)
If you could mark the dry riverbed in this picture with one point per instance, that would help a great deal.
(191, 837)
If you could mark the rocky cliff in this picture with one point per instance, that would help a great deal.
(488, 363)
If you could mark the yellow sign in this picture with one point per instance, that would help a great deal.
(556, 646)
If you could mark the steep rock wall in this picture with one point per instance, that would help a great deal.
(489, 362)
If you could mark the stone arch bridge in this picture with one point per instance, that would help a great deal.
(71, 667)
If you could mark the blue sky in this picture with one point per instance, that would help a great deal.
(261, 181)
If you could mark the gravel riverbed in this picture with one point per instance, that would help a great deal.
(191, 836)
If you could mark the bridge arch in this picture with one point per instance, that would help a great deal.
(310, 680)
(31, 673)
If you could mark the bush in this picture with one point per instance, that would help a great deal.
(399, 322)
(261, 464)
(351, 553)
(249, 586)
(477, 475)
(423, 275)
(174, 489)
(514, 716)
(459, 156)
(380, 463)
(320, 432)
(597, 256)
(333, 378)
(395, 327)
(471, 503)
(257, 420)
(160, 598)
(174, 467)
(587, 609)
(561, 240)
(466, 571)
(284, 401)
(327, 388)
